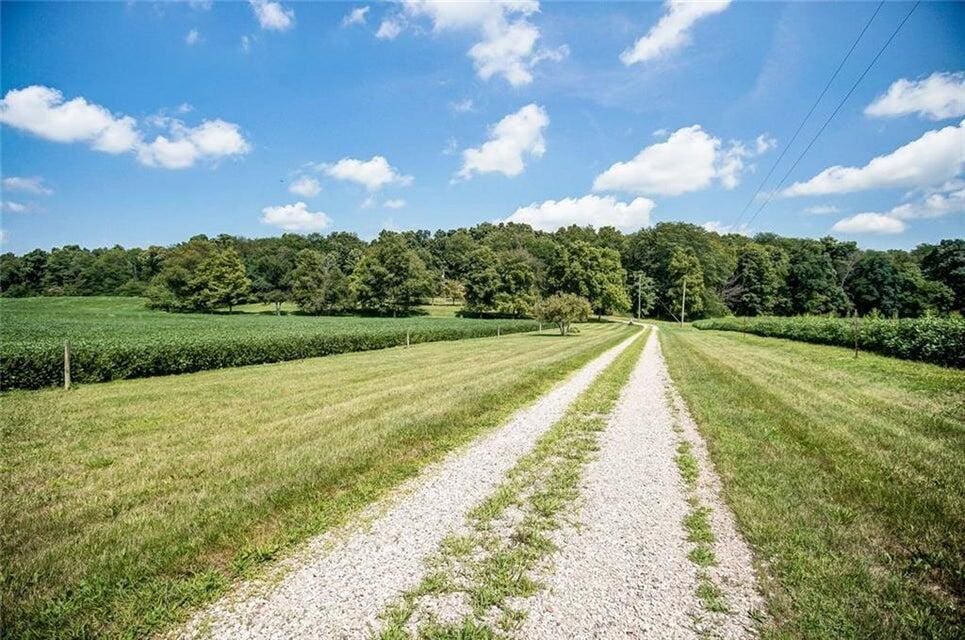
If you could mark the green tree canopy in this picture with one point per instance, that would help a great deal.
(318, 284)
(589, 272)
(222, 278)
(758, 277)
(563, 309)
(482, 279)
(391, 277)
(685, 274)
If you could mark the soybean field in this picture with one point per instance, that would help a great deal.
(113, 338)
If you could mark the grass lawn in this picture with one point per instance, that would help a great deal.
(847, 476)
(127, 503)
(265, 308)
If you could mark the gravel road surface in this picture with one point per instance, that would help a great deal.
(622, 571)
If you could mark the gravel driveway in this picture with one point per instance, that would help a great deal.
(339, 583)
(623, 570)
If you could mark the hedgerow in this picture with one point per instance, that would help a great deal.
(124, 341)
(932, 339)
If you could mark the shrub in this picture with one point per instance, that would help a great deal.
(563, 310)
(929, 339)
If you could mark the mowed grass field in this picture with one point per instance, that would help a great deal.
(846, 475)
(127, 503)
(114, 338)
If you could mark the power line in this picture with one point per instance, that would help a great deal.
(834, 113)
(810, 111)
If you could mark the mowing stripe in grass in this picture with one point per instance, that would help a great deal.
(845, 474)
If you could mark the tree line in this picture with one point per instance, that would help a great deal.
(508, 268)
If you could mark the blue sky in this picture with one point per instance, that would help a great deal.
(146, 123)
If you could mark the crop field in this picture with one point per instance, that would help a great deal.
(929, 339)
(436, 307)
(113, 338)
(845, 475)
(129, 502)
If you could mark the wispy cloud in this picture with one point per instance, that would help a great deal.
(672, 32)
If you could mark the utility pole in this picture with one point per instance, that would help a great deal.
(683, 304)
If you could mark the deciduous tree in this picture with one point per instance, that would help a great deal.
(563, 310)
(390, 277)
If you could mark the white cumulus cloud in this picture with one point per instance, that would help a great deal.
(34, 185)
(876, 223)
(939, 96)
(183, 146)
(395, 203)
(934, 158)
(598, 211)
(517, 135)
(272, 16)
(932, 205)
(507, 45)
(355, 16)
(372, 174)
(689, 160)
(43, 112)
(305, 186)
(295, 217)
(672, 31)
(193, 37)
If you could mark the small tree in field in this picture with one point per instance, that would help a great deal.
(224, 278)
(563, 310)
(453, 290)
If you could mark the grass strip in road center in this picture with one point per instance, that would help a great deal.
(473, 585)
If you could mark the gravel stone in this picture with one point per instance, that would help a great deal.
(340, 582)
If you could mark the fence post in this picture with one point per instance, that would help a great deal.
(540, 327)
(406, 338)
(67, 365)
(498, 331)
(854, 330)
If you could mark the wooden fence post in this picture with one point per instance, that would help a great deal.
(540, 327)
(854, 330)
(406, 338)
(67, 365)
(498, 331)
